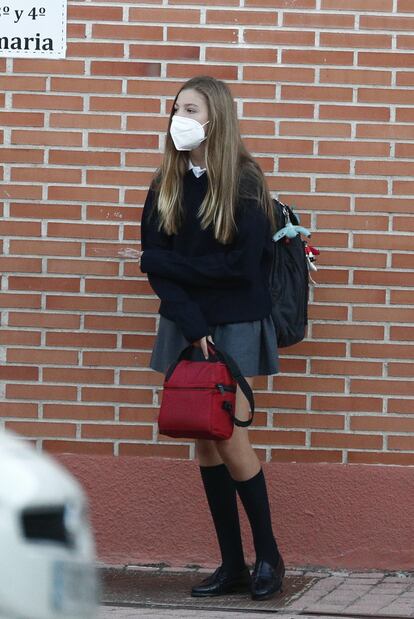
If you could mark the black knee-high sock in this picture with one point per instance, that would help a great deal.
(253, 494)
(221, 495)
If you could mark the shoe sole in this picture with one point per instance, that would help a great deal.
(266, 596)
(230, 590)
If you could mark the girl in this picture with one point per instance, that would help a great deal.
(206, 237)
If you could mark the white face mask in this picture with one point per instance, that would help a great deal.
(186, 133)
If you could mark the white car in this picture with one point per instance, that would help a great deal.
(47, 552)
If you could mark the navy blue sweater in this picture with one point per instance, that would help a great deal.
(200, 281)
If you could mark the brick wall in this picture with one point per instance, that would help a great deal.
(325, 96)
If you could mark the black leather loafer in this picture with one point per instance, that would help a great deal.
(266, 579)
(222, 581)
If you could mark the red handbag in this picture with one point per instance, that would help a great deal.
(198, 398)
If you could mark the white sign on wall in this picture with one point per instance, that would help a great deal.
(33, 28)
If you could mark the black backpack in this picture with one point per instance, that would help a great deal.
(289, 278)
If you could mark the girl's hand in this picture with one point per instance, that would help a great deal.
(203, 344)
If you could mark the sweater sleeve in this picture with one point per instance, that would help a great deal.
(176, 305)
(234, 267)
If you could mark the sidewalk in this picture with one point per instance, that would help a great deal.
(307, 594)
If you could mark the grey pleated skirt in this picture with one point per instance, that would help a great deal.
(252, 345)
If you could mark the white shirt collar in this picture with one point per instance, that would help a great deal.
(197, 171)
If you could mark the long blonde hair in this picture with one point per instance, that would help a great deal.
(231, 171)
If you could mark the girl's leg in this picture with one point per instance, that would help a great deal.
(244, 466)
(221, 496)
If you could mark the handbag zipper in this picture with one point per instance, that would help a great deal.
(219, 386)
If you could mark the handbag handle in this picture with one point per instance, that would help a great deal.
(234, 371)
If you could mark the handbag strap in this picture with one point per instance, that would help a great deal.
(234, 371)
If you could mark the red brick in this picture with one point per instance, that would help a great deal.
(317, 165)
(404, 6)
(405, 42)
(383, 205)
(355, 40)
(317, 57)
(21, 155)
(142, 69)
(351, 185)
(22, 119)
(405, 78)
(44, 283)
(240, 17)
(207, 35)
(352, 222)
(358, 5)
(318, 20)
(386, 22)
(86, 49)
(41, 428)
(386, 59)
(400, 406)
(20, 338)
(386, 351)
(32, 301)
(278, 74)
(370, 149)
(82, 267)
(43, 320)
(186, 71)
(81, 303)
(116, 394)
(87, 121)
(44, 248)
(275, 437)
(248, 56)
(402, 297)
(41, 392)
(389, 241)
(165, 52)
(352, 332)
(42, 357)
(280, 4)
(279, 37)
(127, 32)
(402, 333)
(345, 440)
(349, 403)
(164, 15)
(348, 295)
(315, 129)
(49, 67)
(385, 131)
(346, 368)
(308, 384)
(316, 93)
(78, 447)
(355, 76)
(84, 84)
(382, 424)
(47, 138)
(380, 458)
(46, 211)
(351, 112)
(78, 412)
(20, 228)
(78, 376)
(401, 442)
(18, 409)
(377, 95)
(95, 13)
(81, 340)
(308, 420)
(47, 102)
